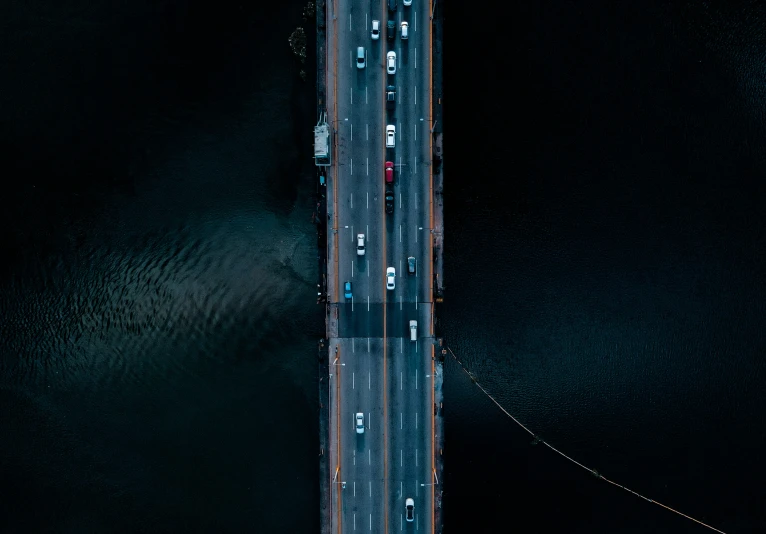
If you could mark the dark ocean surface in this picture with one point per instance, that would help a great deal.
(605, 267)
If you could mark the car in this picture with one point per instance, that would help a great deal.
(391, 62)
(392, 6)
(405, 29)
(359, 423)
(389, 172)
(390, 136)
(360, 57)
(390, 30)
(390, 97)
(409, 507)
(348, 290)
(411, 264)
(390, 278)
(407, 2)
(375, 33)
(389, 201)
(360, 244)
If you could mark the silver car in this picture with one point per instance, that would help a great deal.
(409, 507)
(391, 62)
(390, 278)
(360, 423)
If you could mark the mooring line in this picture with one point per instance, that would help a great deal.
(595, 473)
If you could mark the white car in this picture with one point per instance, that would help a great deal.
(360, 244)
(409, 507)
(405, 30)
(390, 136)
(390, 278)
(375, 33)
(407, 2)
(360, 423)
(391, 62)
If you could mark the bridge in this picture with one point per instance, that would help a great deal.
(378, 155)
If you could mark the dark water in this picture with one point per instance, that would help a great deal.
(605, 268)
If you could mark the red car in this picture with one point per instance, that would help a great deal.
(389, 172)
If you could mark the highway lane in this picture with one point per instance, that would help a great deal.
(379, 371)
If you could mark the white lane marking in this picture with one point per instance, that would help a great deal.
(416, 414)
(353, 380)
(351, 58)
(401, 299)
(368, 207)
(369, 380)
(368, 344)
(352, 131)
(355, 496)
(367, 131)
(416, 387)
(416, 164)
(354, 454)
(416, 96)
(368, 303)
(369, 453)
(401, 272)
(352, 207)
(416, 345)
(352, 96)
(400, 236)
(365, 22)
(352, 268)
(401, 380)
(401, 344)
(415, 21)
(400, 201)
(399, 127)
(368, 165)
(416, 454)
(401, 166)
(401, 420)
(352, 233)
(352, 167)
(416, 206)
(366, 101)
(370, 521)
(370, 488)
(401, 457)
(352, 348)
(401, 489)
(416, 134)
(416, 57)
(399, 94)
(349, 23)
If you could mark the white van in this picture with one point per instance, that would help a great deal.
(413, 330)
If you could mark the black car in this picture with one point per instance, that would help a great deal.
(392, 6)
(390, 30)
(411, 265)
(389, 201)
(390, 97)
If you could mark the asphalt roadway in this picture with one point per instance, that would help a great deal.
(375, 368)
